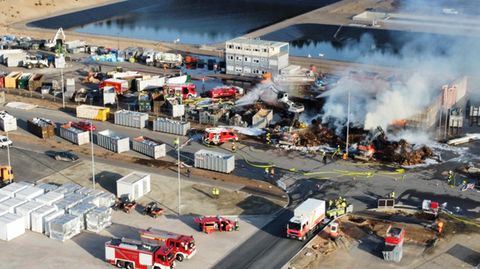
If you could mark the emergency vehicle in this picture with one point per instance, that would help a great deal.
(131, 254)
(186, 90)
(217, 136)
(183, 245)
(211, 224)
(307, 218)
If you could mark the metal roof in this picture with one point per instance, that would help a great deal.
(132, 178)
(257, 42)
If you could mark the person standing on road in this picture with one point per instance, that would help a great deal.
(234, 147)
(324, 157)
(266, 172)
(272, 172)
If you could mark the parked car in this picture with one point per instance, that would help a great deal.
(5, 142)
(84, 125)
(66, 156)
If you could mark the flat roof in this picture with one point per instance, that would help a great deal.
(258, 42)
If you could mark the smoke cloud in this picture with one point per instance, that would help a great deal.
(266, 92)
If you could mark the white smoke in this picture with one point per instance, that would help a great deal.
(266, 92)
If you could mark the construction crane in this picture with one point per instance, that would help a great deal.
(57, 42)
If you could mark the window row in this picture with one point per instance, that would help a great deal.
(245, 59)
(230, 46)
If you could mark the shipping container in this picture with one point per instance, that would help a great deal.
(38, 215)
(26, 210)
(4, 197)
(105, 199)
(99, 219)
(10, 204)
(133, 185)
(88, 191)
(46, 220)
(16, 60)
(131, 119)
(148, 83)
(68, 188)
(29, 193)
(11, 80)
(49, 198)
(11, 226)
(22, 81)
(8, 122)
(5, 52)
(47, 187)
(13, 188)
(215, 161)
(69, 201)
(64, 227)
(81, 211)
(74, 135)
(149, 147)
(393, 253)
(109, 95)
(69, 88)
(35, 82)
(93, 112)
(113, 141)
(165, 125)
(3, 212)
(43, 128)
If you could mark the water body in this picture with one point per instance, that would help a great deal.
(190, 21)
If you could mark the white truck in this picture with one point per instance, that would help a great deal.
(159, 59)
(306, 219)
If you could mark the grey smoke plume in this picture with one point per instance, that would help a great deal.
(267, 92)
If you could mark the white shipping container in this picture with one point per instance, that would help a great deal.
(165, 125)
(152, 82)
(81, 210)
(131, 118)
(12, 188)
(26, 210)
(10, 204)
(215, 161)
(11, 226)
(149, 147)
(49, 198)
(105, 199)
(113, 141)
(76, 136)
(3, 197)
(47, 187)
(29, 193)
(64, 227)
(109, 95)
(3, 212)
(68, 188)
(133, 185)
(310, 210)
(99, 219)
(8, 122)
(178, 111)
(38, 215)
(46, 220)
(16, 60)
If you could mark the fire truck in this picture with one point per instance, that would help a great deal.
(224, 92)
(183, 245)
(217, 136)
(186, 90)
(307, 217)
(130, 254)
(210, 224)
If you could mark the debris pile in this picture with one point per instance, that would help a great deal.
(317, 134)
(403, 153)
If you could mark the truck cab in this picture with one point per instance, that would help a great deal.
(131, 254)
(217, 136)
(296, 228)
(183, 245)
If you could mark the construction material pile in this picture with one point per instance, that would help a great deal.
(318, 134)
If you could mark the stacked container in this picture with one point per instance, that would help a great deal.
(29, 193)
(47, 187)
(133, 185)
(11, 226)
(81, 211)
(215, 161)
(74, 135)
(49, 198)
(38, 215)
(165, 125)
(113, 141)
(46, 220)
(131, 119)
(149, 147)
(26, 210)
(43, 128)
(12, 188)
(99, 219)
(68, 188)
(93, 112)
(11, 203)
(105, 199)
(8, 122)
(69, 201)
(64, 227)
(4, 197)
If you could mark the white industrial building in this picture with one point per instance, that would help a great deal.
(254, 57)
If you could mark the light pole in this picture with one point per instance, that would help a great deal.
(8, 153)
(63, 90)
(177, 145)
(93, 160)
(118, 42)
(348, 122)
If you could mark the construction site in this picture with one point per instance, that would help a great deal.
(337, 134)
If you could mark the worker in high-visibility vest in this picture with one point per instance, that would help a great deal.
(450, 177)
(439, 227)
(267, 138)
(176, 142)
(234, 147)
(266, 172)
(215, 192)
(392, 195)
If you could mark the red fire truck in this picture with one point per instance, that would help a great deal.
(211, 224)
(217, 136)
(120, 85)
(130, 254)
(187, 90)
(307, 217)
(183, 245)
(224, 92)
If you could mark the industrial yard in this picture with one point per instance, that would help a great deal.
(320, 134)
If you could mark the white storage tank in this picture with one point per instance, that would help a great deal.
(10, 204)
(215, 161)
(112, 141)
(26, 210)
(64, 227)
(46, 220)
(131, 118)
(11, 226)
(149, 147)
(133, 185)
(12, 188)
(29, 193)
(49, 198)
(38, 215)
(8, 122)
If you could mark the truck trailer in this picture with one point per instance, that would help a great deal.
(306, 219)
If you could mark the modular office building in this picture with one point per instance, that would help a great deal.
(254, 57)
